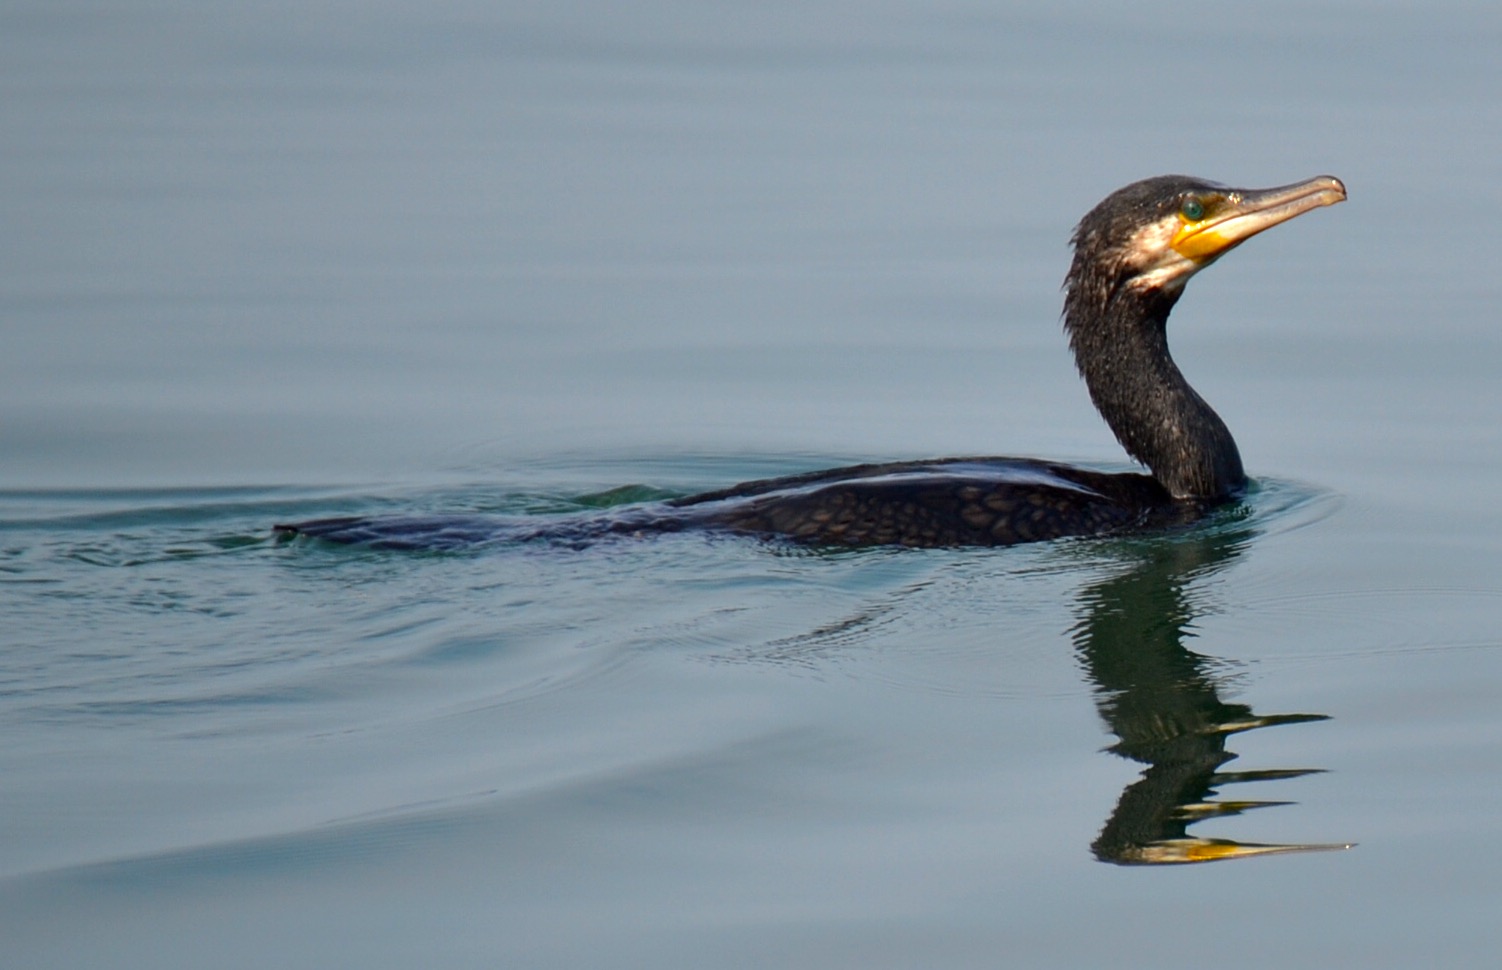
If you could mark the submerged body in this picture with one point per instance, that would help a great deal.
(1133, 254)
(937, 503)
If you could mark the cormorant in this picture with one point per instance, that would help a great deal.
(1133, 254)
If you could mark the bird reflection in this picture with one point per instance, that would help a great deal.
(1163, 703)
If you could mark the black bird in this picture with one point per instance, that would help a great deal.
(1133, 254)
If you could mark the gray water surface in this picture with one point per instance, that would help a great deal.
(278, 261)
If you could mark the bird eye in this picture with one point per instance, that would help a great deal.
(1193, 210)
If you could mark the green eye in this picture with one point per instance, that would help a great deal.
(1192, 210)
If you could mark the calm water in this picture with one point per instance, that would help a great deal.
(269, 262)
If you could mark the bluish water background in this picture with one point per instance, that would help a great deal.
(272, 261)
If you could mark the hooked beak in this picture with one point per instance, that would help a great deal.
(1245, 212)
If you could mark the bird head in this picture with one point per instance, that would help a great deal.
(1157, 233)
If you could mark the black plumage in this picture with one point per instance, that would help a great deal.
(1133, 254)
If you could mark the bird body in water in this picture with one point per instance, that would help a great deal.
(1133, 254)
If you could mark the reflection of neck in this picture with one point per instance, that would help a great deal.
(1154, 690)
(1121, 348)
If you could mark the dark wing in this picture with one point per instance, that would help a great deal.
(964, 502)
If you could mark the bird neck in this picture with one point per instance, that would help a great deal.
(1120, 345)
